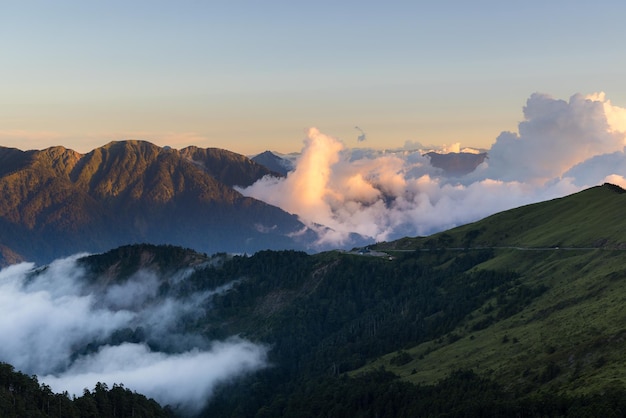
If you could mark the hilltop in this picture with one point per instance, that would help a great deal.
(592, 218)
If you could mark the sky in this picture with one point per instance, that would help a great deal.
(250, 76)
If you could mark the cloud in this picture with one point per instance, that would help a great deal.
(560, 148)
(67, 331)
(412, 146)
(555, 136)
(595, 169)
(361, 137)
(190, 376)
(616, 179)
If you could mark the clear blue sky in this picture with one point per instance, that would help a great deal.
(254, 75)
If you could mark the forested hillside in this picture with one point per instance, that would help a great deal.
(457, 324)
(22, 396)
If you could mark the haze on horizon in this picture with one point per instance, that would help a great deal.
(254, 76)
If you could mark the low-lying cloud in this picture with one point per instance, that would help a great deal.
(560, 147)
(68, 332)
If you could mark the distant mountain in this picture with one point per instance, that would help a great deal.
(274, 162)
(56, 201)
(456, 163)
(227, 167)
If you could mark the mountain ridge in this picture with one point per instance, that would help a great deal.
(57, 201)
(581, 222)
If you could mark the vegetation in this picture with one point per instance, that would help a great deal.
(471, 322)
(462, 394)
(592, 218)
(543, 326)
(22, 396)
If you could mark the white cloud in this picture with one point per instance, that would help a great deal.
(183, 379)
(560, 147)
(616, 179)
(49, 316)
(554, 136)
(595, 169)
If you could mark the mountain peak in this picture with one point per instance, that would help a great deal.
(274, 162)
(227, 167)
(614, 188)
(57, 201)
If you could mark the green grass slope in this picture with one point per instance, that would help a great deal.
(591, 218)
(568, 339)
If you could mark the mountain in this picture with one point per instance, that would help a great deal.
(591, 218)
(456, 163)
(564, 336)
(519, 314)
(56, 201)
(274, 162)
(227, 167)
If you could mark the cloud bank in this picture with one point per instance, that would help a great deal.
(73, 335)
(561, 147)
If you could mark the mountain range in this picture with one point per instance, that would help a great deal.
(56, 202)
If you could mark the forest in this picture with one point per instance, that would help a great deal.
(327, 318)
(22, 396)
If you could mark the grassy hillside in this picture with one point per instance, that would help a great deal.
(591, 218)
(568, 339)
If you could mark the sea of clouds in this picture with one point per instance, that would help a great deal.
(48, 315)
(560, 147)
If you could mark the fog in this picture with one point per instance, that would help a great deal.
(57, 326)
(560, 147)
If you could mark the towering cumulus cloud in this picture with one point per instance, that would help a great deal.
(555, 136)
(560, 148)
(68, 333)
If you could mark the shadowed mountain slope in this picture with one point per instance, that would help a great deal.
(274, 162)
(456, 163)
(227, 167)
(56, 201)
